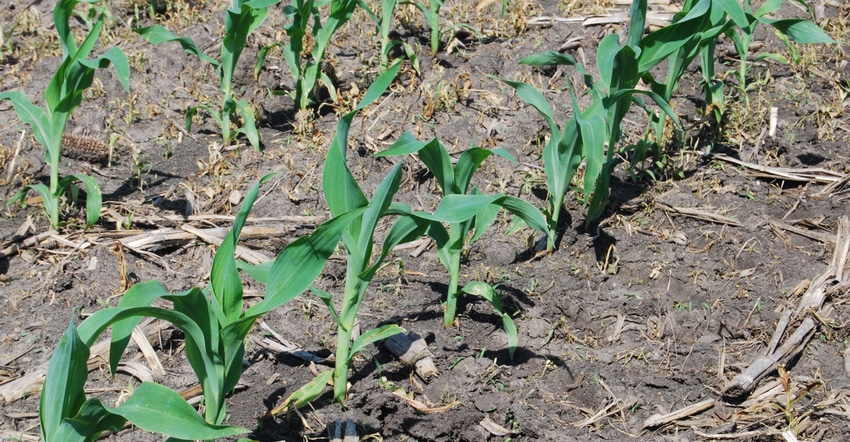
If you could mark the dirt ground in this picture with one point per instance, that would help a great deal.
(676, 292)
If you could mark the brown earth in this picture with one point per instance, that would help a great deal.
(653, 311)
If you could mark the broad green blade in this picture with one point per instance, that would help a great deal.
(734, 10)
(328, 299)
(224, 276)
(306, 394)
(94, 199)
(799, 30)
(92, 420)
(406, 229)
(533, 97)
(469, 162)
(487, 292)
(159, 409)
(249, 126)
(142, 294)
(607, 51)
(34, 116)
(62, 393)
(438, 161)
(301, 262)
(636, 23)
(374, 335)
(156, 34)
(659, 45)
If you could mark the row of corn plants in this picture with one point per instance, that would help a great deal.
(592, 135)
(304, 53)
(214, 319)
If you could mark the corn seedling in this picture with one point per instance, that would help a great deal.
(793, 29)
(592, 134)
(383, 25)
(62, 95)
(240, 20)
(308, 43)
(215, 326)
(345, 198)
(468, 213)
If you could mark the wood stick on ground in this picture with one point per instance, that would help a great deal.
(283, 345)
(805, 175)
(657, 420)
(698, 214)
(827, 238)
(32, 241)
(812, 299)
(250, 256)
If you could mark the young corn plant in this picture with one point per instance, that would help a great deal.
(592, 134)
(458, 203)
(793, 29)
(63, 94)
(215, 326)
(345, 197)
(241, 19)
(308, 44)
(383, 25)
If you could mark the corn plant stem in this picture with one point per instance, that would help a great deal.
(58, 121)
(452, 294)
(355, 288)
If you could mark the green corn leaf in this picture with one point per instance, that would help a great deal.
(328, 300)
(381, 200)
(405, 229)
(224, 276)
(771, 6)
(549, 58)
(239, 21)
(306, 394)
(94, 199)
(259, 272)
(159, 409)
(470, 160)
(249, 126)
(636, 23)
(34, 116)
(735, 12)
(799, 30)
(561, 158)
(301, 262)
(484, 290)
(460, 208)
(483, 220)
(438, 161)
(261, 57)
(606, 53)
(139, 295)
(49, 201)
(62, 13)
(92, 420)
(530, 95)
(342, 192)
(594, 145)
(374, 335)
(660, 44)
(90, 329)
(119, 62)
(157, 34)
(62, 393)
(379, 86)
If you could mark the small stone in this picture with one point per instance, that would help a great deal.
(235, 197)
